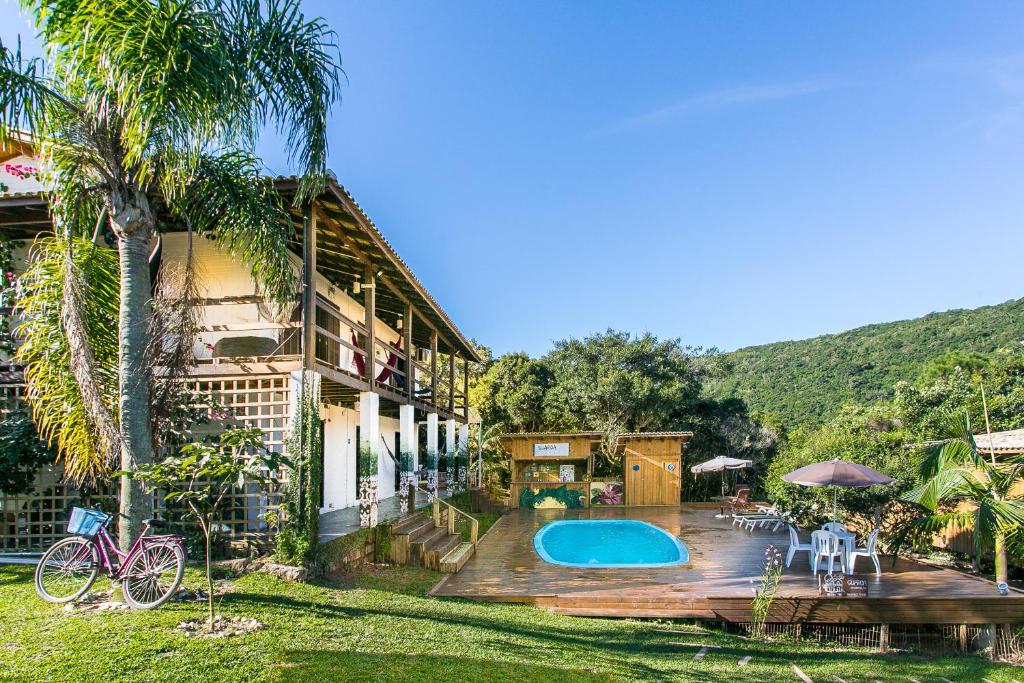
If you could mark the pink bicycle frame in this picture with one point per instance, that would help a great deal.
(106, 546)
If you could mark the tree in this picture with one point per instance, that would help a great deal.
(146, 118)
(511, 393)
(960, 486)
(203, 474)
(614, 383)
(868, 436)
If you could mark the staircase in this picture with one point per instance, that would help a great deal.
(430, 541)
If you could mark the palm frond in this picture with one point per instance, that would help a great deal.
(73, 410)
(945, 486)
(224, 198)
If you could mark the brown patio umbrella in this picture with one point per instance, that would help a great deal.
(836, 473)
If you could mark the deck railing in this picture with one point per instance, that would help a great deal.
(474, 523)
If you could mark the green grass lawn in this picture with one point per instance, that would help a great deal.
(381, 627)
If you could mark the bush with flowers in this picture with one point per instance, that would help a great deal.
(765, 591)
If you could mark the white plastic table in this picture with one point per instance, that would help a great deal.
(849, 541)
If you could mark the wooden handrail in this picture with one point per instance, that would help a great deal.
(474, 523)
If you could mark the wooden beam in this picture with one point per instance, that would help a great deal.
(410, 362)
(369, 321)
(309, 288)
(361, 255)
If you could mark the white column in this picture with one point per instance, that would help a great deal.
(407, 458)
(451, 456)
(431, 455)
(462, 448)
(369, 445)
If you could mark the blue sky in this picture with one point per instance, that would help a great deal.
(727, 173)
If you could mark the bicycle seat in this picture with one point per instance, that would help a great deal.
(155, 523)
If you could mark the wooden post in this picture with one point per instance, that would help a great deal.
(452, 383)
(474, 530)
(883, 639)
(369, 318)
(309, 289)
(961, 637)
(451, 521)
(437, 512)
(410, 358)
(433, 368)
(465, 389)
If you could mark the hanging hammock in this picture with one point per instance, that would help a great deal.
(360, 360)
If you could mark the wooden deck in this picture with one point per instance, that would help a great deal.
(716, 583)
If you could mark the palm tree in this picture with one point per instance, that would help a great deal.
(145, 113)
(960, 487)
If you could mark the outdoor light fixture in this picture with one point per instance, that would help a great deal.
(398, 325)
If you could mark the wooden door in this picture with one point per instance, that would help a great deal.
(651, 479)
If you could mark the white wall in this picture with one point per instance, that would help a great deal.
(339, 457)
(220, 275)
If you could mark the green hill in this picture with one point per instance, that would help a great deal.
(805, 381)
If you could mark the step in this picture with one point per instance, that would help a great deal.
(410, 525)
(442, 548)
(422, 542)
(457, 557)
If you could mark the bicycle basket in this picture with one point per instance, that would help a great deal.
(87, 521)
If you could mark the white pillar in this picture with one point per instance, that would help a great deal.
(451, 456)
(463, 450)
(431, 455)
(407, 458)
(369, 446)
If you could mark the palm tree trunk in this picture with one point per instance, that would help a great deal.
(134, 385)
(1002, 563)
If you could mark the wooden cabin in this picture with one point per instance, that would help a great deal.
(652, 466)
(546, 466)
(356, 299)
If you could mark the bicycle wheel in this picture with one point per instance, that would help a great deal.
(67, 570)
(153, 575)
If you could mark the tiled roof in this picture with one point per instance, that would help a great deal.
(1011, 441)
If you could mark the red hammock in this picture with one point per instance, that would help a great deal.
(360, 360)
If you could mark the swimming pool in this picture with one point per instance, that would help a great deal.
(608, 543)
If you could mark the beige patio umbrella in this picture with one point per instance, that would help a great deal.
(721, 464)
(836, 473)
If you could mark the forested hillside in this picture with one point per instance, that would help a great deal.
(804, 382)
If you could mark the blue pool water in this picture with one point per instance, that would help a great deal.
(613, 543)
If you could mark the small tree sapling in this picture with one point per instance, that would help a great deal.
(203, 474)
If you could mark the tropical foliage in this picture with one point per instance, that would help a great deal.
(613, 383)
(960, 486)
(22, 453)
(805, 382)
(299, 534)
(871, 437)
(146, 116)
(202, 475)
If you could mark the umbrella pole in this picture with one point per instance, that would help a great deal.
(835, 499)
(723, 482)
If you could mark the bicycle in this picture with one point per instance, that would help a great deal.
(149, 573)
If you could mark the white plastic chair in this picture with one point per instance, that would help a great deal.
(869, 550)
(826, 544)
(795, 545)
(833, 526)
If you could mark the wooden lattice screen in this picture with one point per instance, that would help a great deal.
(36, 520)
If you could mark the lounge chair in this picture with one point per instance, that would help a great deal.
(826, 545)
(869, 550)
(796, 546)
(740, 502)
